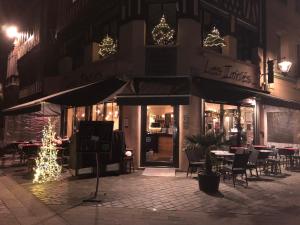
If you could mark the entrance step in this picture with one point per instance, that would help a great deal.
(159, 172)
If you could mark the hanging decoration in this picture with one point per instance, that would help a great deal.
(162, 34)
(107, 46)
(214, 39)
(47, 169)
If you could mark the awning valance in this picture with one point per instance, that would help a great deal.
(275, 101)
(156, 91)
(223, 92)
(80, 96)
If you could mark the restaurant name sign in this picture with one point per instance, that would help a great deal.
(218, 67)
(229, 72)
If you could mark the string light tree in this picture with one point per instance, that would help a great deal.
(107, 47)
(47, 169)
(214, 40)
(162, 33)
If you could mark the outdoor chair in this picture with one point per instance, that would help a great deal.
(238, 167)
(273, 164)
(285, 156)
(252, 162)
(195, 159)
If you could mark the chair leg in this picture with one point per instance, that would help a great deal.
(246, 178)
(187, 172)
(256, 171)
(233, 179)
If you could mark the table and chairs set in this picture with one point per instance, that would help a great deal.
(256, 159)
(25, 153)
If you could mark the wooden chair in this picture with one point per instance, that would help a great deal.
(195, 159)
(252, 162)
(238, 167)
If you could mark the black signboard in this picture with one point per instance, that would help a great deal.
(95, 136)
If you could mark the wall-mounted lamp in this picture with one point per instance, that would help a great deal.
(283, 64)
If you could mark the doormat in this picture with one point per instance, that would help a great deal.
(159, 172)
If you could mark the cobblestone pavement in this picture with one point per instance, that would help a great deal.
(265, 196)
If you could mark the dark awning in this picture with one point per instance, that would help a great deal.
(80, 96)
(275, 101)
(223, 92)
(156, 91)
(88, 94)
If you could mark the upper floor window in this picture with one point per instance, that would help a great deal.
(211, 20)
(247, 41)
(100, 30)
(155, 12)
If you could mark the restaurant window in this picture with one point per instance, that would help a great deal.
(231, 118)
(108, 111)
(247, 125)
(112, 114)
(212, 117)
(155, 12)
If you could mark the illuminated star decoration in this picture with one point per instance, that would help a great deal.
(107, 46)
(214, 39)
(162, 34)
(47, 169)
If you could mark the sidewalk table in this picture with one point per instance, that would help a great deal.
(236, 149)
(222, 153)
(260, 147)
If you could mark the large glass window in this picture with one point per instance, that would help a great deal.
(106, 112)
(247, 124)
(231, 120)
(237, 123)
(212, 117)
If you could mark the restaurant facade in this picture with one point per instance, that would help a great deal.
(158, 95)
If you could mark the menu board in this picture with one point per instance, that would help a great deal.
(281, 127)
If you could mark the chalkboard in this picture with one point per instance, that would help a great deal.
(281, 127)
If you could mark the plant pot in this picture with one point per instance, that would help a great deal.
(209, 182)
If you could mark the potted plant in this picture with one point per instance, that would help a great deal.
(209, 179)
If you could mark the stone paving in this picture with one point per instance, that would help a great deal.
(264, 196)
(145, 200)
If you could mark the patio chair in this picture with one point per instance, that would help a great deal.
(238, 167)
(273, 164)
(195, 159)
(252, 162)
(285, 156)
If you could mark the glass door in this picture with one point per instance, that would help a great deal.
(159, 135)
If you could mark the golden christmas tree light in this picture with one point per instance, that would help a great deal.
(47, 169)
(107, 46)
(162, 34)
(214, 39)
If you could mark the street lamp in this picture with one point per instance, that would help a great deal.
(283, 64)
(11, 31)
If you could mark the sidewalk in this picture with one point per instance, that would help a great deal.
(20, 207)
(135, 199)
